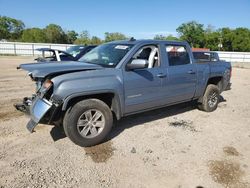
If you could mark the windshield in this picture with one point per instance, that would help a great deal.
(74, 50)
(107, 54)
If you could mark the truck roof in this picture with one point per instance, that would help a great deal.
(148, 41)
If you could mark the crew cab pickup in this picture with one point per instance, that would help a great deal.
(117, 79)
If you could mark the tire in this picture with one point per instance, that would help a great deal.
(210, 99)
(80, 125)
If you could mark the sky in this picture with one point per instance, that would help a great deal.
(141, 19)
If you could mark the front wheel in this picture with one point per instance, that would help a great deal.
(210, 99)
(88, 122)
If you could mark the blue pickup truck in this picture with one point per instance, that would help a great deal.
(117, 79)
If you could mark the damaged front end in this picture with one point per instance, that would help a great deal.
(25, 105)
(44, 107)
(37, 106)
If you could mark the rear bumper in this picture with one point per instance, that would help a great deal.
(36, 108)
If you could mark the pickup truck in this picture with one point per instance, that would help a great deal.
(117, 79)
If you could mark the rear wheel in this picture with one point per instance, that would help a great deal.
(210, 99)
(88, 122)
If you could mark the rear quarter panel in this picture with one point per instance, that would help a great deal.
(208, 70)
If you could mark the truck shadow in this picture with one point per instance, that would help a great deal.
(149, 116)
(57, 132)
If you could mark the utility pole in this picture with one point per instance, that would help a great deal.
(220, 45)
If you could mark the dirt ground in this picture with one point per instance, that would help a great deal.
(179, 146)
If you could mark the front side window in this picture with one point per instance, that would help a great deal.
(108, 55)
(150, 54)
(177, 55)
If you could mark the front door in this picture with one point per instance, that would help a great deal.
(143, 87)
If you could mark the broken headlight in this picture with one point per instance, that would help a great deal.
(46, 89)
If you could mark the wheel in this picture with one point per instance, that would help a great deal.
(210, 99)
(88, 122)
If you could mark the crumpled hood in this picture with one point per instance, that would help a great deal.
(41, 70)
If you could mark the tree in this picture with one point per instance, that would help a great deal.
(33, 35)
(84, 38)
(193, 33)
(10, 28)
(212, 40)
(159, 37)
(55, 34)
(171, 37)
(168, 37)
(95, 40)
(227, 38)
(114, 36)
(241, 39)
(71, 36)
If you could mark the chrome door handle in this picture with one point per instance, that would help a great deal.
(161, 75)
(191, 72)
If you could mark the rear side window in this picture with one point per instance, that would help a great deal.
(177, 55)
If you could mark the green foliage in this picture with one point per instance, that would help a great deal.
(55, 34)
(84, 38)
(10, 28)
(71, 36)
(171, 37)
(33, 35)
(159, 37)
(241, 40)
(193, 33)
(212, 40)
(114, 36)
(168, 37)
(95, 40)
(227, 36)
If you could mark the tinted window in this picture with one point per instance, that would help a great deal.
(202, 56)
(205, 56)
(177, 55)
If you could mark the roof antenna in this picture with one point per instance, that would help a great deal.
(132, 39)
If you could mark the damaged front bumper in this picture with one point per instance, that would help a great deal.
(36, 108)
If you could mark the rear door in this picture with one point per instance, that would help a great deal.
(181, 74)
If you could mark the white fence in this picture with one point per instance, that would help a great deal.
(19, 48)
(235, 57)
(28, 49)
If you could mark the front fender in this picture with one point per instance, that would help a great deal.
(116, 103)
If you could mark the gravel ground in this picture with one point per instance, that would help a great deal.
(179, 146)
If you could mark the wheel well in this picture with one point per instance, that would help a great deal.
(108, 98)
(215, 80)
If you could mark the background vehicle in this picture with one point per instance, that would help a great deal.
(206, 56)
(118, 79)
(71, 54)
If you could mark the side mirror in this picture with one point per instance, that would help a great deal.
(137, 64)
